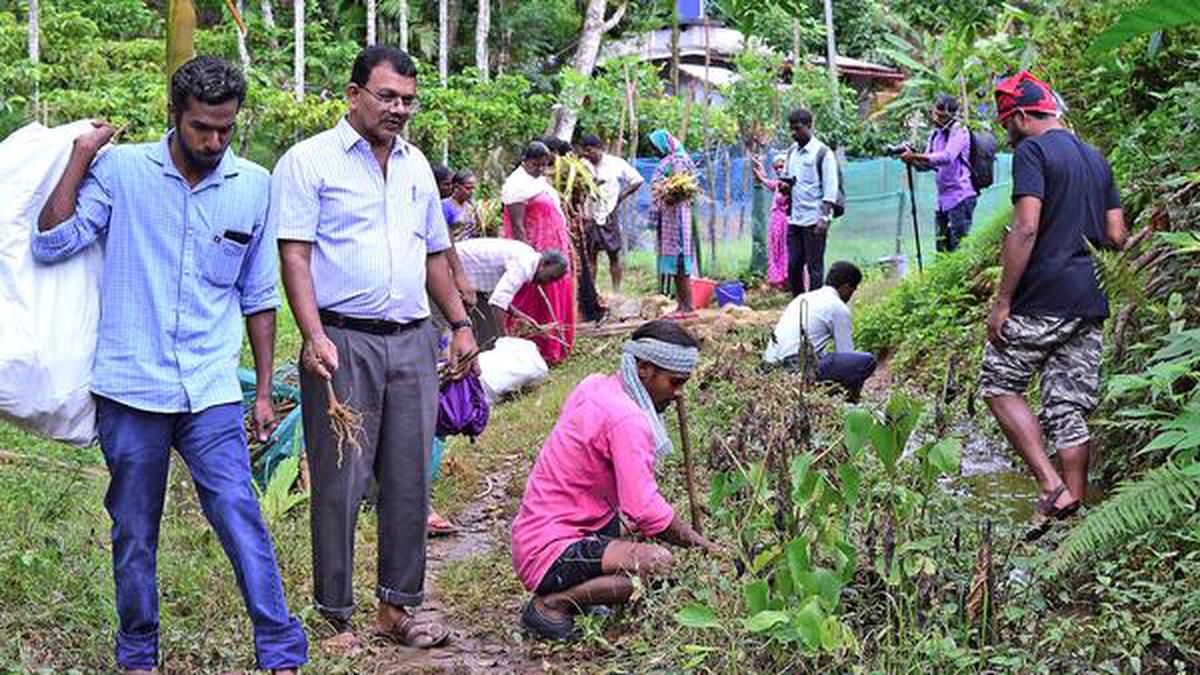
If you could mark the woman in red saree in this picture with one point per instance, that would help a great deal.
(534, 215)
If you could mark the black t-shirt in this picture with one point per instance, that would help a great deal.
(1076, 187)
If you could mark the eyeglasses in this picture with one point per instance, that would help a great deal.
(389, 100)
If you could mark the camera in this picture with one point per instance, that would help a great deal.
(896, 150)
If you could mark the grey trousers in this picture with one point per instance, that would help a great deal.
(392, 381)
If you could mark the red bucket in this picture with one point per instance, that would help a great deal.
(702, 291)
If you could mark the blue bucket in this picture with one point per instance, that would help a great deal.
(731, 293)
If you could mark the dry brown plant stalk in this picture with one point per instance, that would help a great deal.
(346, 423)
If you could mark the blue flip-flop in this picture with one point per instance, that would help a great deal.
(545, 627)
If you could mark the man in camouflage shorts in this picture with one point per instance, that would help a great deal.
(1049, 309)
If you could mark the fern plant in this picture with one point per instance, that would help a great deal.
(1152, 500)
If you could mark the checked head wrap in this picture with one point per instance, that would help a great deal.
(665, 355)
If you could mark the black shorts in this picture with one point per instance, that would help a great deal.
(580, 562)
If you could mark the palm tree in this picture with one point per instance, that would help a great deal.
(482, 27)
(298, 56)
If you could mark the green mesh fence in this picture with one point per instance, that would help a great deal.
(877, 224)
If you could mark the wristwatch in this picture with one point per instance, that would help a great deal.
(460, 324)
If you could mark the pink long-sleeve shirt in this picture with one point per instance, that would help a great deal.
(597, 462)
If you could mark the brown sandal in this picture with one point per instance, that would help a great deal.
(415, 634)
(344, 644)
(1046, 513)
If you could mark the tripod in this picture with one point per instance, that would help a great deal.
(912, 201)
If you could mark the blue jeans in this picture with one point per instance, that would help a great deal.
(954, 225)
(849, 369)
(137, 446)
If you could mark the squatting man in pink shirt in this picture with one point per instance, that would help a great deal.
(594, 479)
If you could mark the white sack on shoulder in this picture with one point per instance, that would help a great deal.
(50, 312)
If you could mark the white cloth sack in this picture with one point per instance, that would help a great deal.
(511, 365)
(50, 312)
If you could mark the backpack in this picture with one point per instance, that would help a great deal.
(981, 158)
(839, 204)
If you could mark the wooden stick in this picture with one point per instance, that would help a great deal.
(689, 475)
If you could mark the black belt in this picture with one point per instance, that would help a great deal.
(373, 326)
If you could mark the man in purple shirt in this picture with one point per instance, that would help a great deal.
(949, 153)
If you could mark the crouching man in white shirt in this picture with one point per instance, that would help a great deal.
(826, 320)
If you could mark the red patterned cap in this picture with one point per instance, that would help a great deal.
(1024, 92)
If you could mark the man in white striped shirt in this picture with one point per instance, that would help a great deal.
(499, 269)
(362, 238)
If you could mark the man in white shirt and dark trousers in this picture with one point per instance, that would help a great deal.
(616, 180)
(812, 174)
(826, 321)
(499, 269)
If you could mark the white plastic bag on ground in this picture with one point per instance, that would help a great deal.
(49, 312)
(511, 365)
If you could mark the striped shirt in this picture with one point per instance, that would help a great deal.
(499, 267)
(181, 266)
(370, 234)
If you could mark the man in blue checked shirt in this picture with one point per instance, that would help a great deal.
(188, 253)
(364, 249)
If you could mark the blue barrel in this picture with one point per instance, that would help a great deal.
(731, 293)
(435, 458)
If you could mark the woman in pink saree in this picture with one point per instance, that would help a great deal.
(534, 215)
(777, 229)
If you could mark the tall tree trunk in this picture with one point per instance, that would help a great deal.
(831, 54)
(371, 11)
(482, 27)
(268, 13)
(243, 51)
(268, 18)
(453, 19)
(443, 42)
(298, 55)
(444, 60)
(594, 28)
(674, 48)
(35, 47)
(404, 25)
(505, 55)
(796, 26)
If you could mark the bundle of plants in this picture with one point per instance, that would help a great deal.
(573, 180)
(677, 189)
(489, 217)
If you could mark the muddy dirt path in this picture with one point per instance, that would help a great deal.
(476, 644)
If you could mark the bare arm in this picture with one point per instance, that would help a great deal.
(61, 203)
(461, 281)
(1114, 228)
(682, 534)
(1018, 246)
(260, 328)
(318, 355)
(516, 218)
(440, 286)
